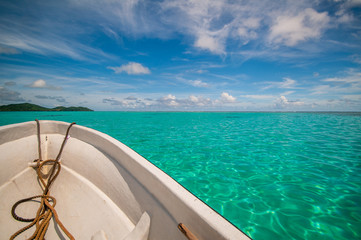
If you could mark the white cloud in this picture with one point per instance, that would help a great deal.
(200, 20)
(129, 102)
(344, 18)
(252, 23)
(247, 29)
(352, 3)
(134, 18)
(227, 98)
(49, 43)
(287, 93)
(349, 103)
(132, 68)
(184, 103)
(198, 83)
(292, 29)
(213, 23)
(217, 26)
(40, 83)
(195, 101)
(259, 97)
(351, 83)
(209, 43)
(195, 83)
(169, 97)
(283, 103)
(208, 25)
(169, 100)
(353, 77)
(322, 89)
(353, 97)
(287, 83)
(282, 100)
(151, 102)
(199, 101)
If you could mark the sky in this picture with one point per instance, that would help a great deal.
(178, 55)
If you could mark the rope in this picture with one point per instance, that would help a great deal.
(46, 209)
(189, 235)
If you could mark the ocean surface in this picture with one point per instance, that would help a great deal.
(273, 175)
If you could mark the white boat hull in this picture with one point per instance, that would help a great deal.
(105, 190)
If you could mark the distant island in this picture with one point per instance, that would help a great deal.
(33, 107)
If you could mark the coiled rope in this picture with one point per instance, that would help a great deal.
(47, 203)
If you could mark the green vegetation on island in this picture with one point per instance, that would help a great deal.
(33, 107)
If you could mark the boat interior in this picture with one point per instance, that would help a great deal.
(104, 189)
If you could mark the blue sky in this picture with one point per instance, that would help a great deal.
(198, 55)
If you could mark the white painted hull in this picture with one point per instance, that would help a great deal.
(104, 191)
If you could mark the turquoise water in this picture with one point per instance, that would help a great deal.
(273, 175)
